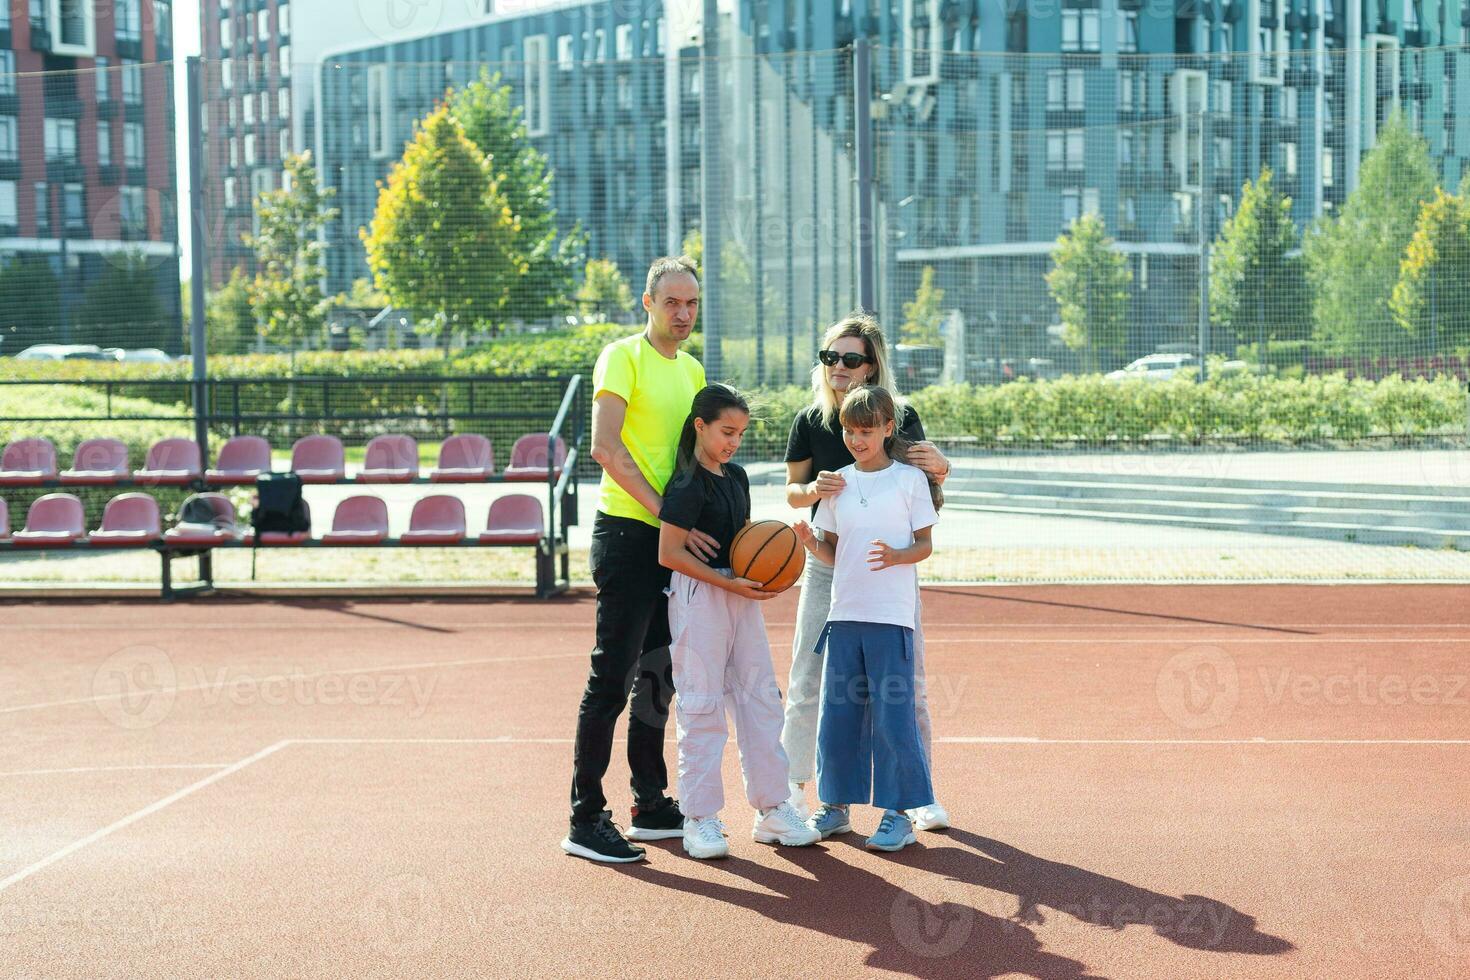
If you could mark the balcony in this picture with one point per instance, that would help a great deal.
(9, 104)
(40, 37)
(1417, 38)
(65, 171)
(109, 174)
(9, 170)
(130, 47)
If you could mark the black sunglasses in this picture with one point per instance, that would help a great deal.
(849, 360)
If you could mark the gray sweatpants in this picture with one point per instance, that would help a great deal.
(804, 694)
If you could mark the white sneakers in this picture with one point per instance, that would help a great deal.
(704, 838)
(931, 817)
(782, 824)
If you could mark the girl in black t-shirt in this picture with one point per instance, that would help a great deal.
(722, 661)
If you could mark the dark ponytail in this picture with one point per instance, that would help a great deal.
(709, 404)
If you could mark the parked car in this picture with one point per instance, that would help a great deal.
(917, 365)
(1155, 367)
(145, 355)
(63, 352)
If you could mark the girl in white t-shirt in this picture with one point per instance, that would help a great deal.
(875, 532)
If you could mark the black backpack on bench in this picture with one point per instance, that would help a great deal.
(278, 507)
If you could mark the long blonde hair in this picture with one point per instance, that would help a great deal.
(864, 326)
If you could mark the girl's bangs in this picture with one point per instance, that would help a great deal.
(863, 412)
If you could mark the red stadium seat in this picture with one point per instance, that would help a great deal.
(466, 458)
(515, 518)
(4, 520)
(279, 538)
(130, 520)
(55, 519)
(528, 458)
(172, 463)
(241, 460)
(98, 462)
(437, 519)
(28, 463)
(319, 459)
(221, 531)
(359, 520)
(390, 459)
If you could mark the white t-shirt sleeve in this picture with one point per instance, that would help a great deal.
(921, 505)
(825, 518)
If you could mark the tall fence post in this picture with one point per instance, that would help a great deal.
(862, 82)
(712, 188)
(194, 70)
(1205, 204)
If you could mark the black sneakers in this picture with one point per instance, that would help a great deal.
(600, 841)
(662, 821)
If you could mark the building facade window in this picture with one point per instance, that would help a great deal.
(73, 27)
(74, 205)
(132, 81)
(61, 140)
(9, 139)
(380, 110)
(537, 88)
(1081, 30)
(103, 79)
(1065, 89)
(7, 72)
(127, 18)
(104, 143)
(1128, 31)
(134, 214)
(133, 144)
(9, 208)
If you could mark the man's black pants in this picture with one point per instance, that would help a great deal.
(632, 655)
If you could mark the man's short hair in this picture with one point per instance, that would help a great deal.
(669, 265)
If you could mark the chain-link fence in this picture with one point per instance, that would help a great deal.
(1110, 279)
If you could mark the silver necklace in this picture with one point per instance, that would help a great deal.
(862, 497)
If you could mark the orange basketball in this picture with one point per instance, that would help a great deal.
(768, 552)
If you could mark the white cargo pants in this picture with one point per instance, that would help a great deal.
(722, 663)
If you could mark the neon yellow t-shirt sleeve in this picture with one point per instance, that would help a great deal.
(614, 373)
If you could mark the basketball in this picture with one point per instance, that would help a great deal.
(768, 552)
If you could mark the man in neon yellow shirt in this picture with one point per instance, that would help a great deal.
(642, 389)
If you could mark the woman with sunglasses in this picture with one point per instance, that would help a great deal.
(853, 353)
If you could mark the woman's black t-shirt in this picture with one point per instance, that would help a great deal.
(823, 445)
(717, 505)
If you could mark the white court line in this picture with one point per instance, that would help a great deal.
(542, 625)
(255, 678)
(230, 770)
(1024, 740)
(137, 815)
(79, 769)
(1199, 639)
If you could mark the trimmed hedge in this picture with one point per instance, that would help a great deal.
(1086, 410)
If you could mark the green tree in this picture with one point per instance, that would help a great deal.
(604, 292)
(286, 293)
(1257, 286)
(442, 241)
(229, 319)
(1353, 259)
(922, 317)
(1430, 300)
(122, 307)
(492, 119)
(30, 303)
(1089, 280)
